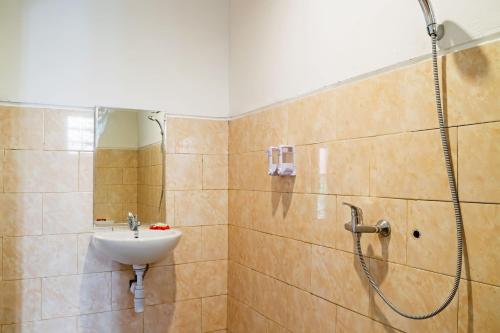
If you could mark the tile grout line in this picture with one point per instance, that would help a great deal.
(308, 292)
(352, 253)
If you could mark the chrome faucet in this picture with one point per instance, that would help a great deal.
(382, 227)
(133, 224)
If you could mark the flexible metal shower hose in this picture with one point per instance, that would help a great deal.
(456, 206)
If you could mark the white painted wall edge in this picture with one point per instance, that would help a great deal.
(491, 38)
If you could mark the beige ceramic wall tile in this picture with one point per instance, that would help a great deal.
(156, 175)
(111, 212)
(249, 171)
(214, 277)
(201, 208)
(21, 214)
(472, 84)
(76, 294)
(121, 193)
(262, 252)
(351, 322)
(240, 207)
(156, 154)
(86, 172)
(100, 194)
(234, 167)
(390, 248)
(296, 261)
(125, 321)
(2, 158)
(116, 158)
(382, 104)
(144, 157)
(341, 167)
(302, 182)
(482, 242)
(478, 308)
(184, 316)
(215, 172)
(259, 179)
(479, 162)
(269, 296)
(21, 128)
(272, 327)
(242, 319)
(68, 130)
(411, 165)
(159, 285)
(189, 248)
(69, 325)
(90, 260)
(268, 128)
(242, 285)
(198, 136)
(244, 171)
(130, 176)
(310, 217)
(20, 301)
(436, 248)
(121, 297)
(312, 119)
(33, 256)
(267, 254)
(214, 313)
(40, 171)
(184, 172)
(188, 281)
(215, 242)
(337, 277)
(239, 135)
(308, 312)
(107, 176)
(432, 289)
(268, 212)
(144, 175)
(239, 244)
(67, 212)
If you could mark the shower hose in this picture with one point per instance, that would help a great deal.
(454, 198)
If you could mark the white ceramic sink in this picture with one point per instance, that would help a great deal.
(150, 247)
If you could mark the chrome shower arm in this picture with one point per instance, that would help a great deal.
(433, 28)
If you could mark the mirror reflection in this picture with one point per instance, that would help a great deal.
(129, 168)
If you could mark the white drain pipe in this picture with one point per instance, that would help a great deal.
(137, 287)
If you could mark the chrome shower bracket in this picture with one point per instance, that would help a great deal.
(382, 227)
(436, 29)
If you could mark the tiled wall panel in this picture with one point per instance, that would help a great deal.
(53, 279)
(373, 143)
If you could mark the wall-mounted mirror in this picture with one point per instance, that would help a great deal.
(129, 172)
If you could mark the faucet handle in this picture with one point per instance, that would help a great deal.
(356, 214)
(355, 211)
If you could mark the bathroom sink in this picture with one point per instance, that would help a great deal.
(150, 247)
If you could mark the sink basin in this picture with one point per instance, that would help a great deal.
(150, 247)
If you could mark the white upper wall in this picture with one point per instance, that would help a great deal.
(169, 55)
(176, 55)
(120, 130)
(282, 49)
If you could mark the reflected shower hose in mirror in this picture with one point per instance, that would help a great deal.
(435, 32)
(163, 156)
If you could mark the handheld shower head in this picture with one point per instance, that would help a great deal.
(433, 29)
(158, 122)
